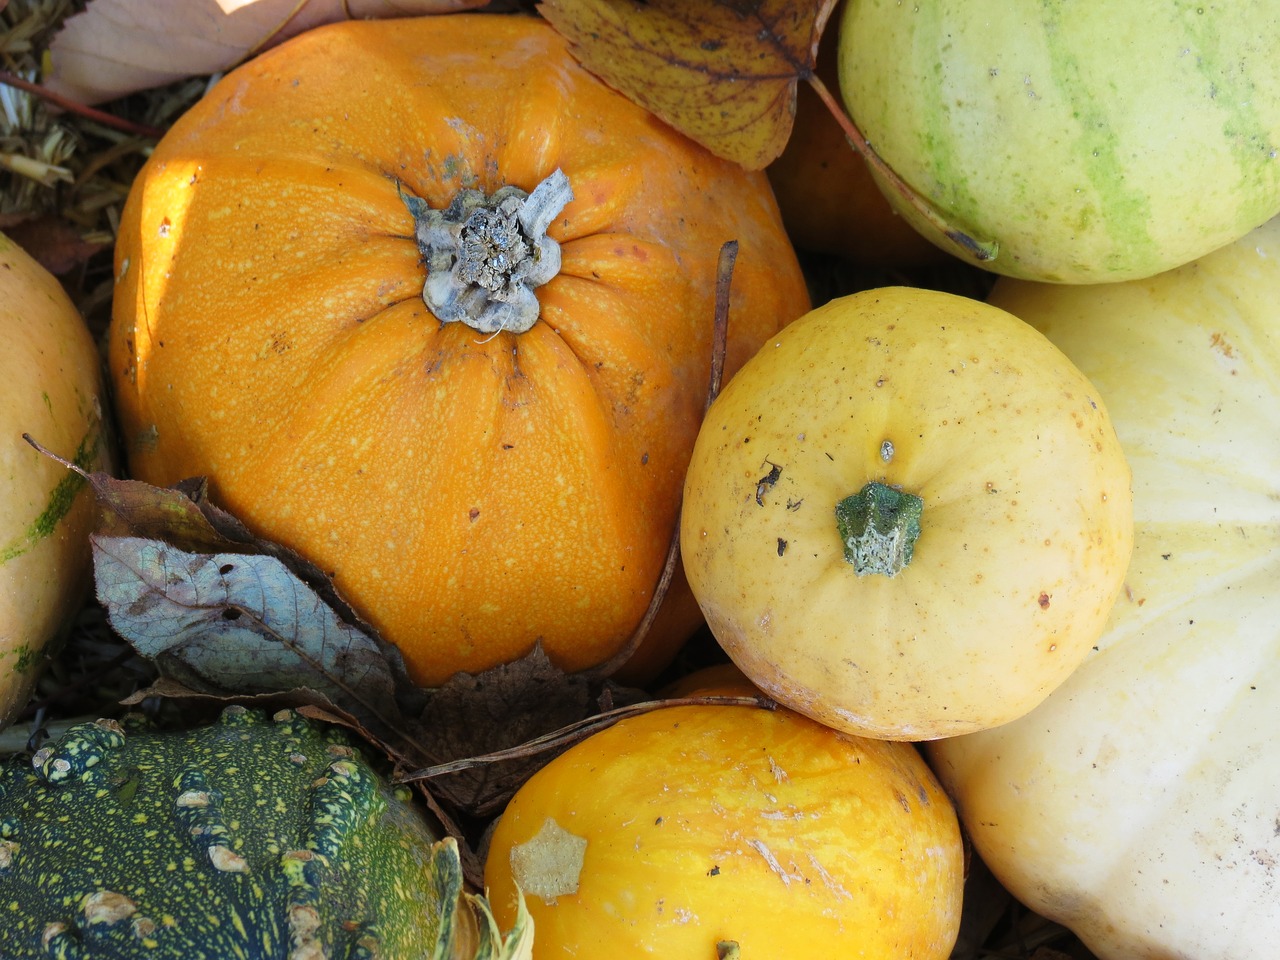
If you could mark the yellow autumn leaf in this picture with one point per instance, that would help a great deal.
(723, 72)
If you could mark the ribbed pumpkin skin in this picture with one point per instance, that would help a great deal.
(51, 389)
(250, 837)
(471, 494)
(705, 824)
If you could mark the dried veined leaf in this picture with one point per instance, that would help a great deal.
(723, 72)
(500, 708)
(134, 508)
(115, 47)
(54, 243)
(230, 623)
(185, 517)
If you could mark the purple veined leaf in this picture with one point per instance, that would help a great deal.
(237, 623)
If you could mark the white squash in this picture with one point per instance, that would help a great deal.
(1140, 804)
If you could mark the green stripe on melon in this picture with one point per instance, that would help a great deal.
(50, 389)
(1091, 142)
(61, 497)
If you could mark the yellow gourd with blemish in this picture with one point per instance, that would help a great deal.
(689, 827)
(907, 516)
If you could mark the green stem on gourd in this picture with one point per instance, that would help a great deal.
(879, 526)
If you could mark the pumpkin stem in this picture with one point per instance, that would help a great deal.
(485, 254)
(879, 526)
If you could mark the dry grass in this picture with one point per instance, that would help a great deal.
(64, 176)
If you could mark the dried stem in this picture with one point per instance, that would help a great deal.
(974, 248)
(580, 730)
(90, 113)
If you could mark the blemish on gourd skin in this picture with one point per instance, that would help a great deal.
(772, 861)
(828, 881)
(765, 483)
(549, 864)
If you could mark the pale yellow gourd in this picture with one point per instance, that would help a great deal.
(797, 529)
(51, 389)
(1139, 804)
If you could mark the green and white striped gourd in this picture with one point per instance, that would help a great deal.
(1089, 141)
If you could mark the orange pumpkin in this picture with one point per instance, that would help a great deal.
(472, 491)
(830, 202)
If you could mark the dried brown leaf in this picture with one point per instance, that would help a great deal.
(232, 624)
(723, 72)
(500, 708)
(54, 243)
(115, 47)
(134, 508)
(183, 516)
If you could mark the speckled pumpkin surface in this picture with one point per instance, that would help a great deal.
(253, 837)
(291, 320)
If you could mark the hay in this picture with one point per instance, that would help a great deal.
(65, 172)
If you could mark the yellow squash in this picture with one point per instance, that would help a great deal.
(695, 827)
(907, 516)
(51, 389)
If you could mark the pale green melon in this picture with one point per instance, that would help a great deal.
(1090, 141)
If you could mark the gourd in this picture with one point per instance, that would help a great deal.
(312, 311)
(692, 829)
(1137, 804)
(51, 389)
(907, 516)
(1085, 143)
(250, 837)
